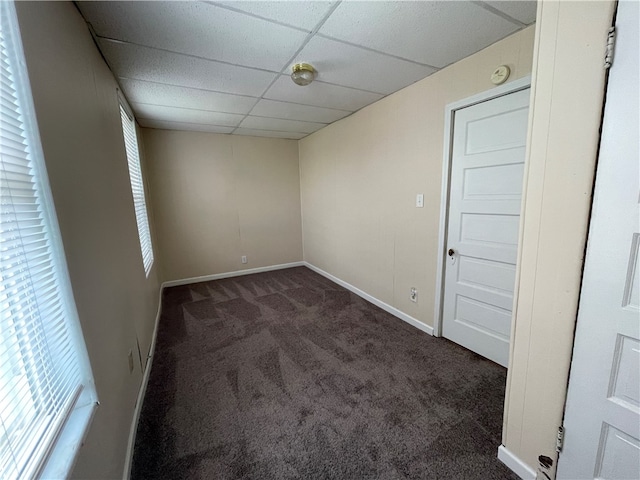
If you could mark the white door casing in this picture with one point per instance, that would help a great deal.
(602, 416)
(487, 164)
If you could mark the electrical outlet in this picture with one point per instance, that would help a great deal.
(244, 259)
(413, 295)
(130, 361)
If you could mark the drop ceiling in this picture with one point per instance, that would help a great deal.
(224, 66)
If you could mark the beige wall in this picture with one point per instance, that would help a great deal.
(79, 122)
(568, 90)
(360, 176)
(218, 197)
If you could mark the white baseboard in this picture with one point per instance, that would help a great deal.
(515, 464)
(379, 303)
(143, 389)
(237, 273)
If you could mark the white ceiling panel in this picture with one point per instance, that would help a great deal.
(142, 63)
(320, 94)
(195, 127)
(216, 66)
(294, 111)
(335, 62)
(522, 10)
(264, 123)
(303, 15)
(139, 91)
(269, 133)
(198, 29)
(186, 115)
(434, 33)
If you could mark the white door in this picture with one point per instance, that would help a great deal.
(602, 417)
(487, 164)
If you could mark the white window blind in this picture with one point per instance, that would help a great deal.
(44, 372)
(137, 187)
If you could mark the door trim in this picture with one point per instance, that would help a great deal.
(449, 114)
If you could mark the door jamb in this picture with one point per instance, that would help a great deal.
(449, 115)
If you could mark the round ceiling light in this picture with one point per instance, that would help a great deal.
(303, 74)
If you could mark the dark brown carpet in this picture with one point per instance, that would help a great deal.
(287, 375)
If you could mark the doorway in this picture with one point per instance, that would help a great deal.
(479, 235)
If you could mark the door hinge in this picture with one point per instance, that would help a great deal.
(560, 439)
(611, 41)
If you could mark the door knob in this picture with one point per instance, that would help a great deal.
(451, 252)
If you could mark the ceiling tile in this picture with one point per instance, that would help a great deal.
(320, 94)
(269, 133)
(265, 123)
(139, 91)
(522, 10)
(185, 115)
(142, 63)
(198, 29)
(293, 111)
(435, 33)
(304, 15)
(194, 127)
(356, 67)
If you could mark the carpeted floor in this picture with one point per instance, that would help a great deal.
(285, 374)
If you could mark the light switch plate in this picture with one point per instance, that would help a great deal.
(420, 200)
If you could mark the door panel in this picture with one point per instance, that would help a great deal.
(484, 215)
(626, 387)
(503, 184)
(494, 277)
(496, 230)
(620, 457)
(602, 418)
(484, 317)
(495, 131)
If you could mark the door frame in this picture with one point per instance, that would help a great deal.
(449, 117)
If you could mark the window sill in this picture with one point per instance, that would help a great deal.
(63, 455)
